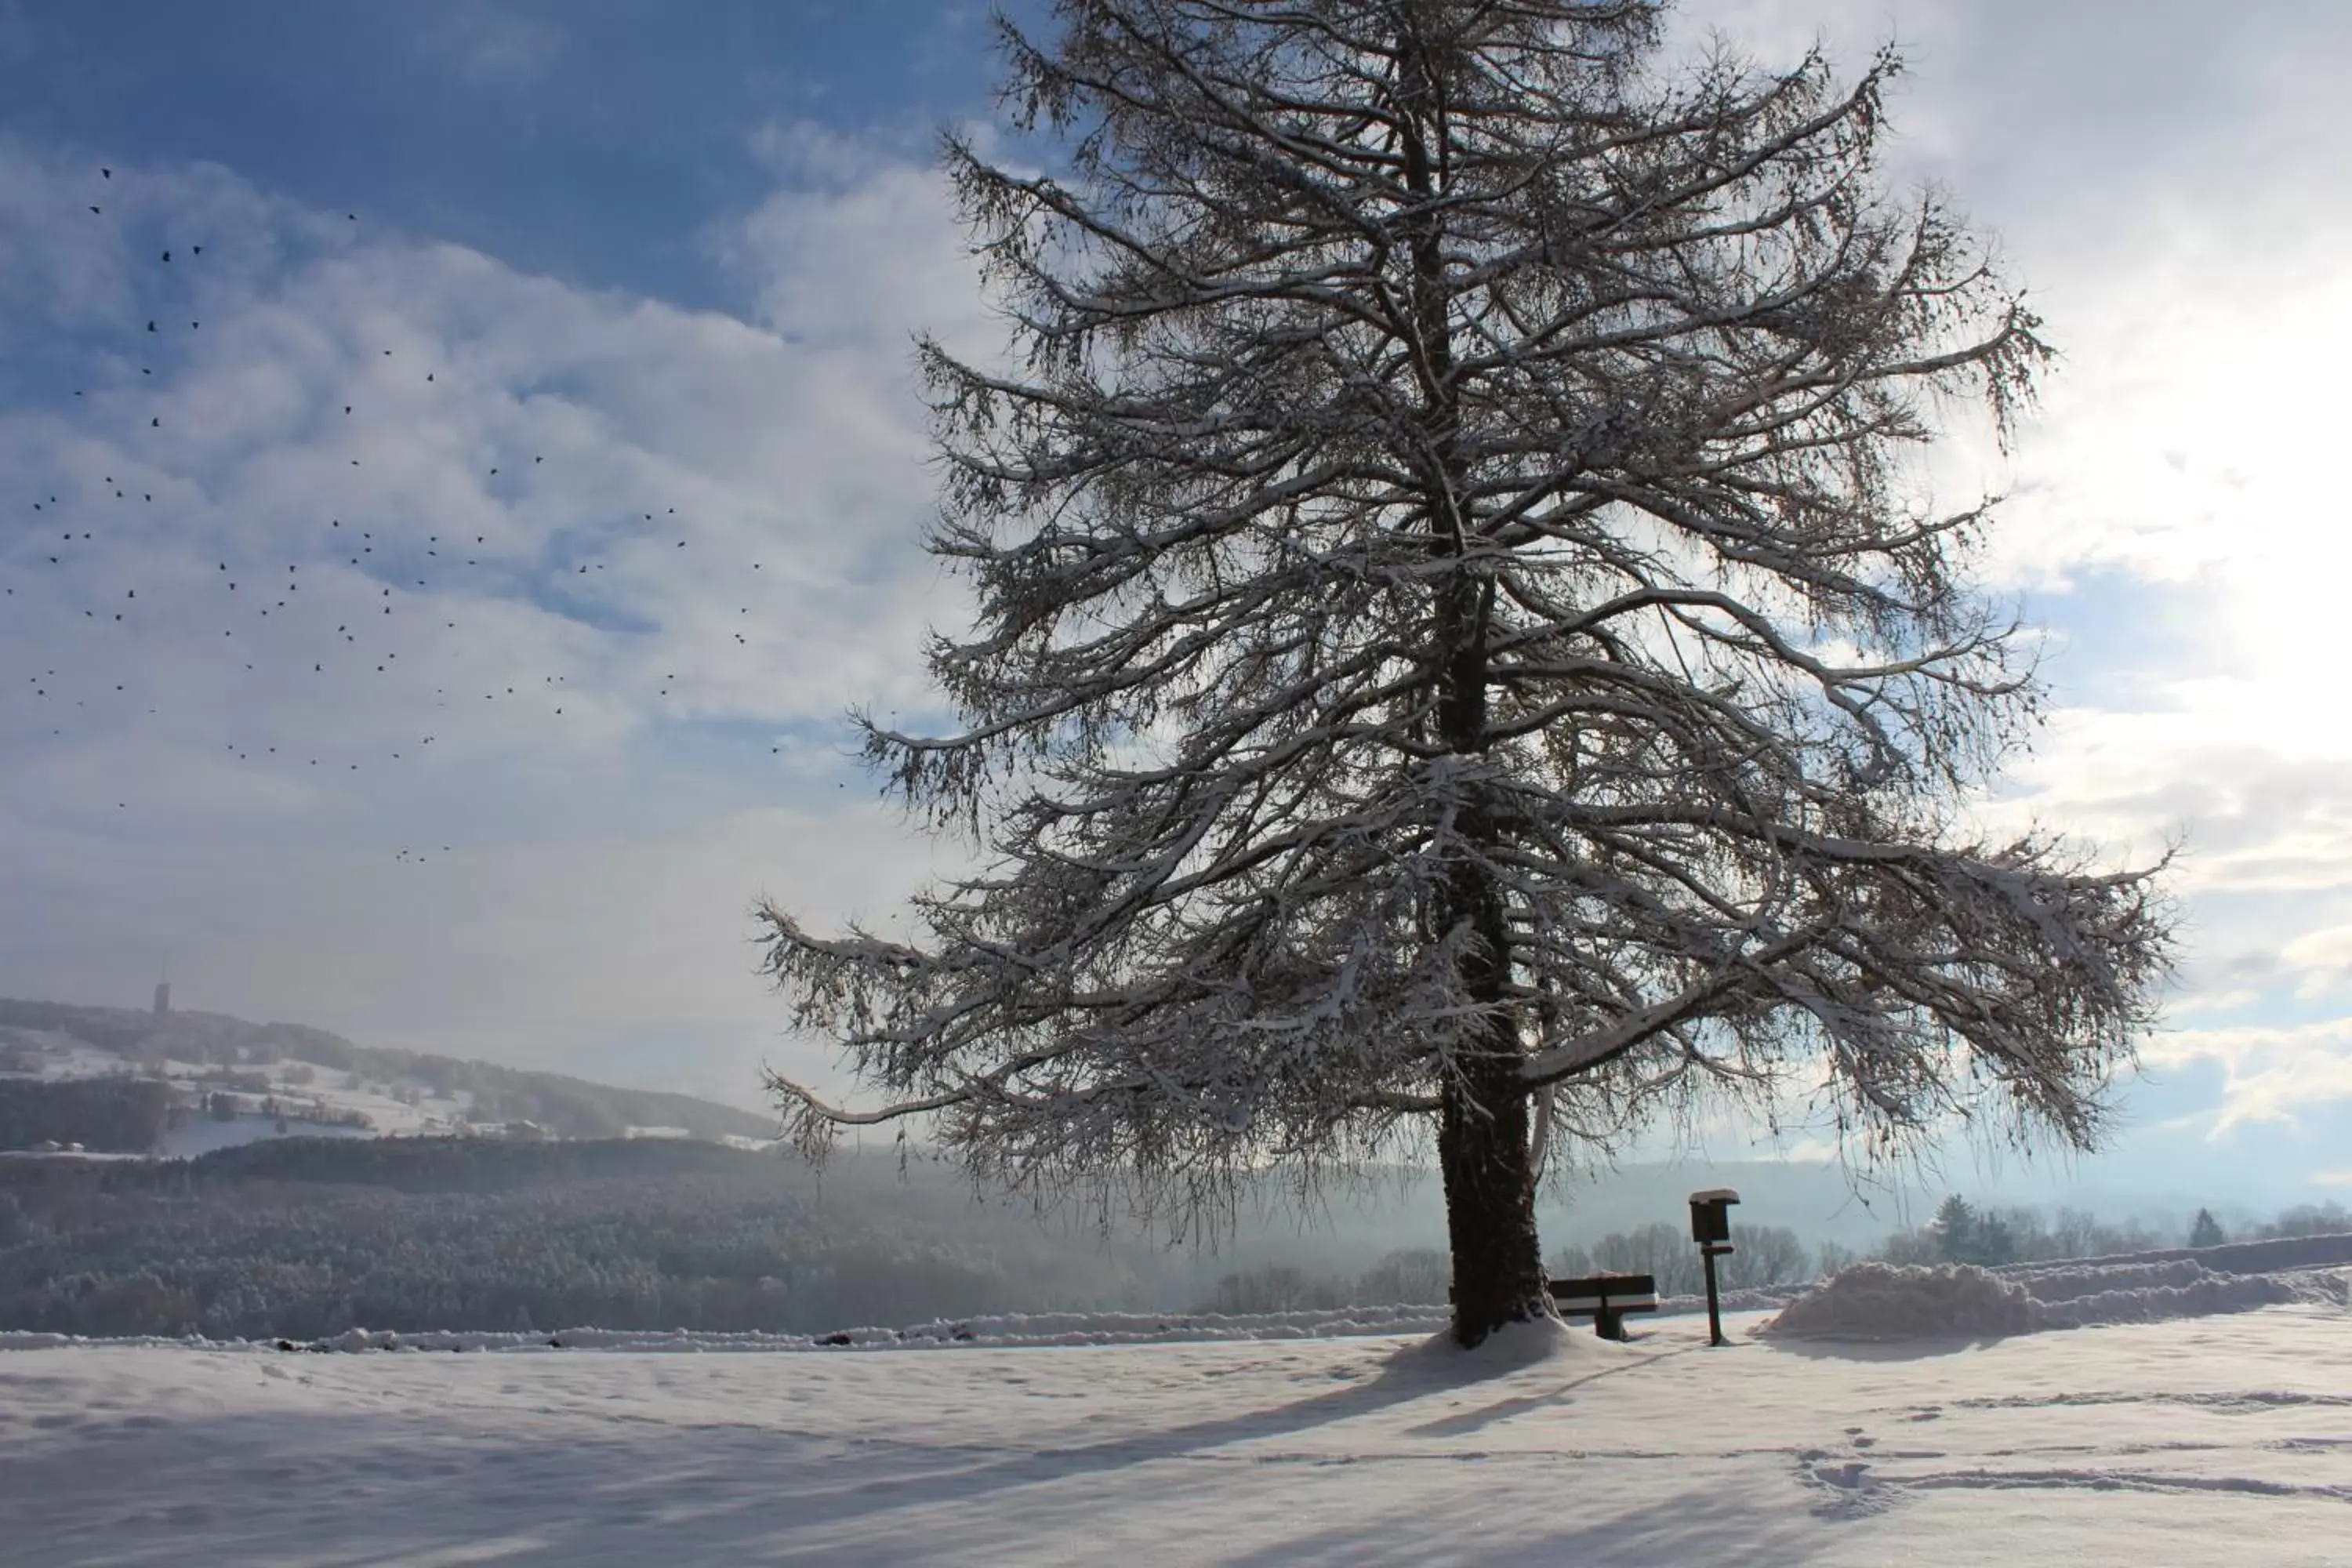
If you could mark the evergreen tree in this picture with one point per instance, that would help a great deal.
(2207, 1231)
(1995, 1241)
(1464, 641)
(1955, 1225)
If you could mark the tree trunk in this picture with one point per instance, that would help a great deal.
(1483, 1144)
(1482, 1133)
(1490, 1215)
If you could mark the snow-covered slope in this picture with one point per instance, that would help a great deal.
(318, 1082)
(2219, 1441)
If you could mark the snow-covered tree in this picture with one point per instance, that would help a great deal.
(1465, 640)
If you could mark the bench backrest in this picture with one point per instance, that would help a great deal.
(1622, 1292)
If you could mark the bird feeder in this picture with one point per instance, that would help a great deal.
(1710, 1221)
(1711, 1229)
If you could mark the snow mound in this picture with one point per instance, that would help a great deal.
(2073, 1281)
(2201, 1292)
(1508, 1349)
(1878, 1301)
(1891, 1302)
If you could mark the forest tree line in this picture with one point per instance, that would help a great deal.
(104, 1115)
(306, 1237)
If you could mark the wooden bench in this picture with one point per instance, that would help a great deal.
(1606, 1299)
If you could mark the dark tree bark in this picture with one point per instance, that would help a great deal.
(1483, 1150)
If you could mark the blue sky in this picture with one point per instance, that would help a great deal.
(662, 264)
(588, 140)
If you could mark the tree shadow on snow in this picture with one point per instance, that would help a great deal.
(1469, 1421)
(1415, 1372)
(1923, 1347)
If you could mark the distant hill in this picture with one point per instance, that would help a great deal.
(235, 1070)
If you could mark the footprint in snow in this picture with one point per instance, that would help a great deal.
(1845, 1488)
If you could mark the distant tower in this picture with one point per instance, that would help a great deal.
(163, 998)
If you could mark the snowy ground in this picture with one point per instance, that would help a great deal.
(2217, 1439)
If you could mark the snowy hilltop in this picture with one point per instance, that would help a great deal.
(180, 1083)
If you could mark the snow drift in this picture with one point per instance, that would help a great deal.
(1880, 1301)
(1884, 1300)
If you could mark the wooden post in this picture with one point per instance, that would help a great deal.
(1711, 1229)
(1714, 1309)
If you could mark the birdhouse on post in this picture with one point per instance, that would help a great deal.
(1710, 1221)
(1711, 1229)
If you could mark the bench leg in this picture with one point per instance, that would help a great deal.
(1609, 1325)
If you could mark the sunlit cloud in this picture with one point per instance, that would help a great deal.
(2320, 960)
(2272, 1074)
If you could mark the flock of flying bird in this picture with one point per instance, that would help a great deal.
(276, 592)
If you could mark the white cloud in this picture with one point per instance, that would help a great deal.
(2321, 959)
(2199, 1002)
(859, 241)
(2270, 1074)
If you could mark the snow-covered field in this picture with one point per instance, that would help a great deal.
(2211, 1440)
